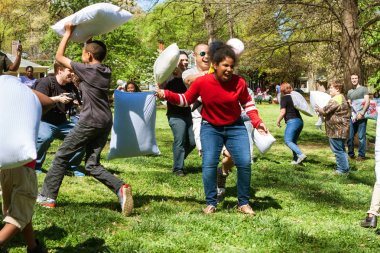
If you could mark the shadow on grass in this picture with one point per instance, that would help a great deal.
(258, 203)
(357, 179)
(138, 201)
(142, 200)
(52, 233)
(90, 245)
(193, 169)
(307, 187)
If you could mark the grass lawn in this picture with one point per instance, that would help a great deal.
(299, 208)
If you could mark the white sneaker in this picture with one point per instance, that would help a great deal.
(293, 163)
(301, 158)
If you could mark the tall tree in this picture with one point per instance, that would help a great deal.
(347, 28)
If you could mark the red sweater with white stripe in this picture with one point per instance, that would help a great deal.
(221, 101)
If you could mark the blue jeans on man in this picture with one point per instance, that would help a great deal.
(47, 133)
(235, 138)
(183, 143)
(359, 127)
(337, 147)
(292, 132)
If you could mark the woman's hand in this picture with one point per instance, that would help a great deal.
(160, 93)
(317, 109)
(279, 123)
(262, 129)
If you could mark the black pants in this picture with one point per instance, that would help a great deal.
(93, 140)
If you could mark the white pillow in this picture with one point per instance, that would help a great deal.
(301, 104)
(133, 132)
(263, 142)
(319, 98)
(237, 45)
(165, 63)
(93, 20)
(20, 111)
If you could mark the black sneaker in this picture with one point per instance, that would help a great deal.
(179, 173)
(369, 222)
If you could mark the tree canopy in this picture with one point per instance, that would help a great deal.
(320, 39)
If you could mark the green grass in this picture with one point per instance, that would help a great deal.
(299, 209)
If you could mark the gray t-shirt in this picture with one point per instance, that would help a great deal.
(95, 83)
(357, 93)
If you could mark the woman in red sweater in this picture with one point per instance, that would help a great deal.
(222, 95)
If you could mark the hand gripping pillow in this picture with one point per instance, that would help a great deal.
(263, 142)
(358, 104)
(165, 63)
(301, 104)
(93, 20)
(133, 132)
(20, 112)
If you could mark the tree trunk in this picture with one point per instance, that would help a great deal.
(209, 21)
(230, 20)
(350, 42)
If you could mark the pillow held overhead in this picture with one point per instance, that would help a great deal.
(165, 63)
(93, 20)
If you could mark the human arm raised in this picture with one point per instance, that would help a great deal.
(16, 64)
(60, 55)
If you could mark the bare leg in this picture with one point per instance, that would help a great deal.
(7, 232)
(227, 163)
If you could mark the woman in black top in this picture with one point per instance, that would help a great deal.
(294, 123)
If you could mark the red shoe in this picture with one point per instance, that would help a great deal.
(46, 202)
(126, 199)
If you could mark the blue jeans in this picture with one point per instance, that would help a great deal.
(292, 133)
(359, 127)
(337, 147)
(47, 133)
(184, 143)
(235, 138)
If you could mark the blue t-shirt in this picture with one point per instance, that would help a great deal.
(28, 82)
(278, 89)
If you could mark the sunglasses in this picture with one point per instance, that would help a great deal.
(203, 53)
